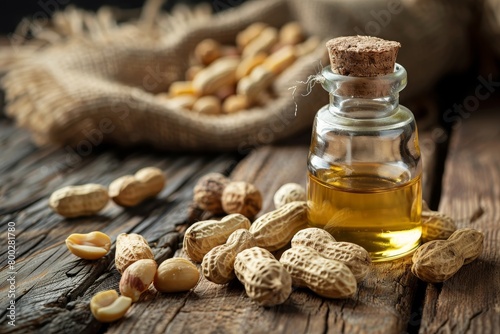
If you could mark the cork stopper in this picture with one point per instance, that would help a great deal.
(362, 56)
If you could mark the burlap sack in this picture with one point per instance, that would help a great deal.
(98, 82)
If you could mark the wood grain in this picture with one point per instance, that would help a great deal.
(53, 287)
(469, 302)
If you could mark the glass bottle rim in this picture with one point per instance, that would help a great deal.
(396, 80)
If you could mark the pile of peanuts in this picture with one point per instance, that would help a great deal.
(269, 256)
(233, 247)
(226, 79)
(259, 253)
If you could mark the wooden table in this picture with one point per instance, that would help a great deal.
(53, 287)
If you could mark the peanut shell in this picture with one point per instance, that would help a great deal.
(327, 278)
(275, 229)
(355, 257)
(266, 281)
(218, 264)
(129, 249)
(202, 236)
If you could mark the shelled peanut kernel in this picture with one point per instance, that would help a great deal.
(89, 246)
(108, 306)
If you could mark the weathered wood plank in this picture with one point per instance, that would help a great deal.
(469, 301)
(49, 280)
(31, 183)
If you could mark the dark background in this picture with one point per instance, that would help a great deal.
(13, 11)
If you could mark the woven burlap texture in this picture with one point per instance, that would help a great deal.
(100, 84)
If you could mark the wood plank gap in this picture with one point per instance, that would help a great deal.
(442, 139)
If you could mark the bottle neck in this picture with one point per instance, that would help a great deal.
(363, 108)
(364, 97)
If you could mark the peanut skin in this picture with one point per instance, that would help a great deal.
(207, 51)
(438, 260)
(287, 193)
(78, 201)
(241, 197)
(436, 226)
(137, 278)
(218, 74)
(266, 281)
(218, 264)
(202, 236)
(208, 192)
(275, 229)
(355, 257)
(249, 34)
(256, 82)
(208, 105)
(129, 249)
(291, 33)
(131, 190)
(265, 40)
(327, 278)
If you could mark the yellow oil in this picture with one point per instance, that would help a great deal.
(371, 205)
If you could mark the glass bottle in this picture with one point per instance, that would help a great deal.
(364, 167)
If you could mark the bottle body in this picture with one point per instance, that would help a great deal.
(364, 168)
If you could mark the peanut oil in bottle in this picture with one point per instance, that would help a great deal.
(381, 214)
(364, 168)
